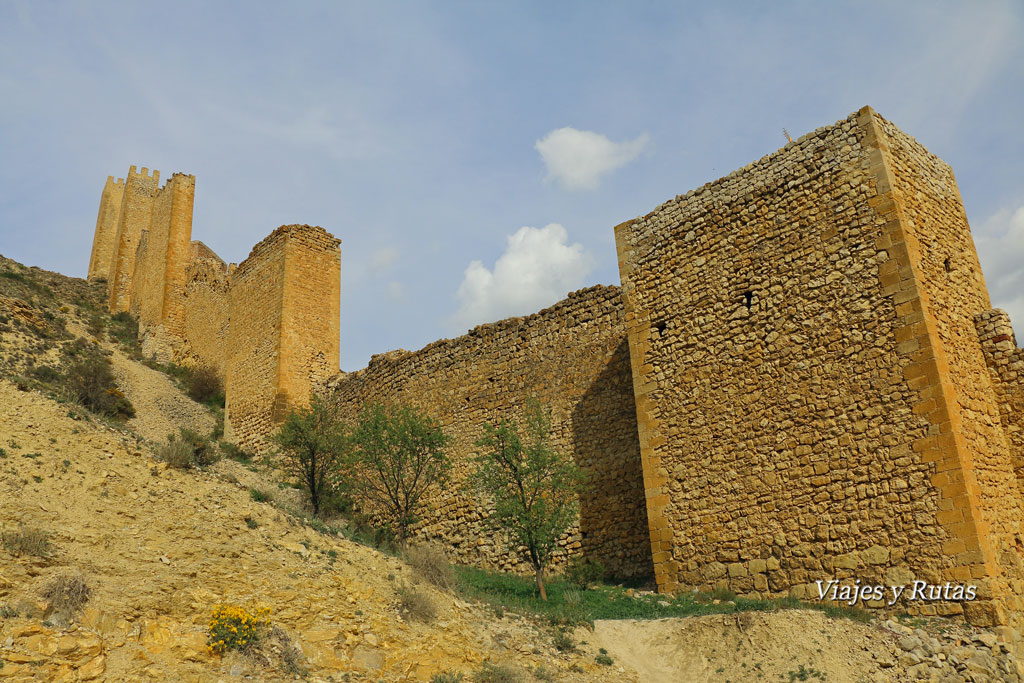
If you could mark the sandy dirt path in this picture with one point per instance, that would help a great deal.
(160, 407)
(752, 646)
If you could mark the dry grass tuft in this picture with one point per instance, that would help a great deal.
(66, 594)
(496, 673)
(431, 564)
(417, 604)
(28, 541)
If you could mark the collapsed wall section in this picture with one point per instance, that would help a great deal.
(1006, 371)
(573, 357)
(787, 385)
(283, 330)
(206, 307)
(102, 256)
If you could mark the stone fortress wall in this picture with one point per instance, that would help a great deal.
(812, 395)
(800, 379)
(573, 358)
(269, 328)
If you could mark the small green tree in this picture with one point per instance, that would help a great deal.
(399, 454)
(535, 490)
(314, 443)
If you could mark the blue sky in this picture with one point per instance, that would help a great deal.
(473, 157)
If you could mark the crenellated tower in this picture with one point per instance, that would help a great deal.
(161, 262)
(133, 218)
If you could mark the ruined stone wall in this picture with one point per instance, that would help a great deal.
(1006, 365)
(787, 385)
(274, 344)
(206, 310)
(143, 275)
(102, 255)
(573, 358)
(133, 218)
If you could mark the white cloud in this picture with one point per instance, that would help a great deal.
(580, 159)
(382, 259)
(538, 268)
(1000, 242)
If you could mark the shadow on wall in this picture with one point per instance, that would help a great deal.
(613, 519)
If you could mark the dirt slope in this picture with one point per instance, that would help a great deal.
(161, 547)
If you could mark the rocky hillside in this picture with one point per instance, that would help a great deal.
(113, 563)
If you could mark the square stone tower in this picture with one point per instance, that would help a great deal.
(132, 219)
(283, 336)
(813, 400)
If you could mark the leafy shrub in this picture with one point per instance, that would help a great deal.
(218, 425)
(175, 453)
(203, 385)
(95, 325)
(204, 453)
(259, 496)
(447, 677)
(234, 452)
(8, 612)
(27, 541)
(564, 642)
(417, 604)
(235, 628)
(584, 572)
(496, 673)
(90, 380)
(66, 594)
(431, 564)
(542, 673)
(45, 373)
(186, 450)
(603, 658)
(124, 329)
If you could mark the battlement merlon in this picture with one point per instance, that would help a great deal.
(182, 180)
(144, 173)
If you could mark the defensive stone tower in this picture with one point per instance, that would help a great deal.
(160, 268)
(283, 335)
(270, 329)
(813, 401)
(133, 217)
